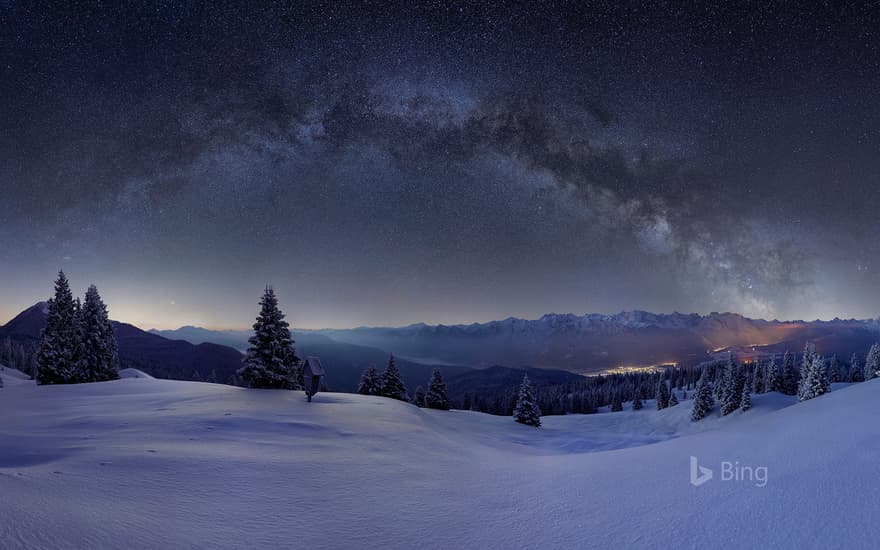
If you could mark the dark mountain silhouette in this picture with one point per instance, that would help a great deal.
(157, 356)
(27, 324)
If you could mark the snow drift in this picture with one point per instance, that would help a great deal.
(144, 463)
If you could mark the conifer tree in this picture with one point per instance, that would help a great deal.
(673, 399)
(271, 360)
(789, 377)
(733, 387)
(834, 373)
(773, 380)
(57, 353)
(616, 402)
(392, 383)
(718, 387)
(637, 402)
(856, 374)
(436, 397)
(758, 381)
(816, 381)
(99, 359)
(703, 400)
(662, 394)
(806, 363)
(745, 402)
(419, 399)
(527, 411)
(371, 383)
(872, 362)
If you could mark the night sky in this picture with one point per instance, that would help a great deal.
(383, 164)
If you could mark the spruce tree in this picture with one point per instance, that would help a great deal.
(789, 377)
(637, 402)
(99, 359)
(733, 387)
(392, 383)
(758, 381)
(834, 373)
(662, 394)
(872, 362)
(526, 410)
(436, 397)
(856, 374)
(370, 384)
(719, 385)
(703, 399)
(59, 341)
(773, 381)
(816, 382)
(673, 399)
(806, 363)
(271, 360)
(419, 399)
(745, 402)
(616, 402)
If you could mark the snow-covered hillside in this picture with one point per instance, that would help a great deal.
(143, 463)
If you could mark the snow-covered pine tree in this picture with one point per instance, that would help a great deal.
(57, 353)
(872, 362)
(789, 376)
(806, 362)
(371, 383)
(436, 397)
(271, 360)
(816, 381)
(419, 398)
(718, 381)
(662, 395)
(616, 402)
(834, 373)
(758, 380)
(392, 383)
(526, 411)
(703, 399)
(673, 399)
(856, 374)
(79, 375)
(99, 359)
(773, 381)
(745, 402)
(637, 402)
(733, 387)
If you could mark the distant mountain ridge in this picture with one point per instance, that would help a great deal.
(595, 342)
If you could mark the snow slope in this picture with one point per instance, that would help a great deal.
(143, 463)
(13, 377)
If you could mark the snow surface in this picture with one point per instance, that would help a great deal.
(13, 376)
(145, 463)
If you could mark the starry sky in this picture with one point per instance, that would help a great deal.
(385, 163)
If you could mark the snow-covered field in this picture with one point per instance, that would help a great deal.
(144, 463)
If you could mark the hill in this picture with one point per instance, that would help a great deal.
(140, 463)
(159, 357)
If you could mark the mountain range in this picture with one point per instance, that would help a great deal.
(552, 348)
(594, 342)
(196, 353)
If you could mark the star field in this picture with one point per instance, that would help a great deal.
(388, 163)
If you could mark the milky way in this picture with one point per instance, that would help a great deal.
(386, 164)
